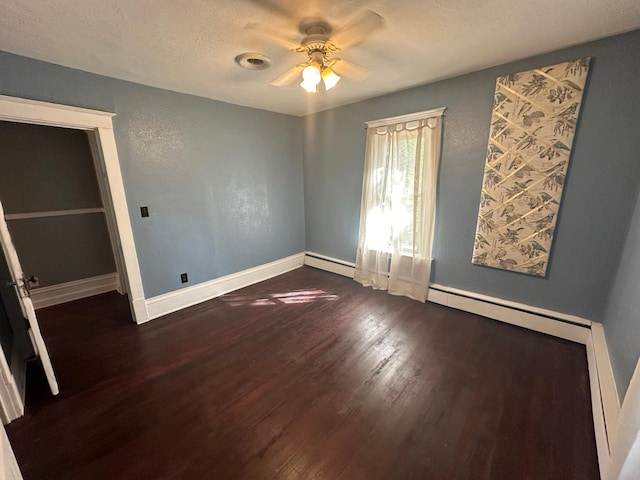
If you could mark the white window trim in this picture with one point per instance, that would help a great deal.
(383, 122)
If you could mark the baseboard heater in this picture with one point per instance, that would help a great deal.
(335, 261)
(514, 307)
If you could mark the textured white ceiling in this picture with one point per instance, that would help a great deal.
(189, 45)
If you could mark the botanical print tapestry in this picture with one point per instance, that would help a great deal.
(532, 127)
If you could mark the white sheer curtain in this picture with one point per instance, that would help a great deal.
(398, 206)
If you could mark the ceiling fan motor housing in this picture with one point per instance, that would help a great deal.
(317, 56)
(316, 43)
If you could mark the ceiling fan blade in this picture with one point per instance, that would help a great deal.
(344, 68)
(272, 7)
(288, 77)
(273, 34)
(357, 29)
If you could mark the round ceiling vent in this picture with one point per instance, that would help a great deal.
(253, 61)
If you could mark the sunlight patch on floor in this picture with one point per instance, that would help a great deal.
(293, 297)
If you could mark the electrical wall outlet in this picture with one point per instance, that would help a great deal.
(144, 211)
(184, 278)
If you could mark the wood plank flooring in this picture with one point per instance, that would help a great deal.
(304, 376)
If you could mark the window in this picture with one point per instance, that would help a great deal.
(398, 204)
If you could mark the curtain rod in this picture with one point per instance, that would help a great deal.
(435, 112)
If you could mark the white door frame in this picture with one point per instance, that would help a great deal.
(9, 469)
(11, 401)
(107, 206)
(21, 110)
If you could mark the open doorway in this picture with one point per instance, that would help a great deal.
(97, 129)
(100, 125)
(55, 212)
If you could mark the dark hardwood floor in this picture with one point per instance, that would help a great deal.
(304, 376)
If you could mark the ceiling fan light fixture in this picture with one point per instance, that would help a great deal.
(309, 86)
(311, 77)
(330, 78)
(311, 73)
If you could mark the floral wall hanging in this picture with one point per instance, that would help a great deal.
(534, 119)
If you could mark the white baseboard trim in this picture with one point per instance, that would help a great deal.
(625, 446)
(597, 409)
(173, 301)
(69, 291)
(607, 381)
(604, 395)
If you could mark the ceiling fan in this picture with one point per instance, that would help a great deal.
(319, 45)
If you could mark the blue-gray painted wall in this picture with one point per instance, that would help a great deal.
(622, 315)
(223, 183)
(598, 197)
